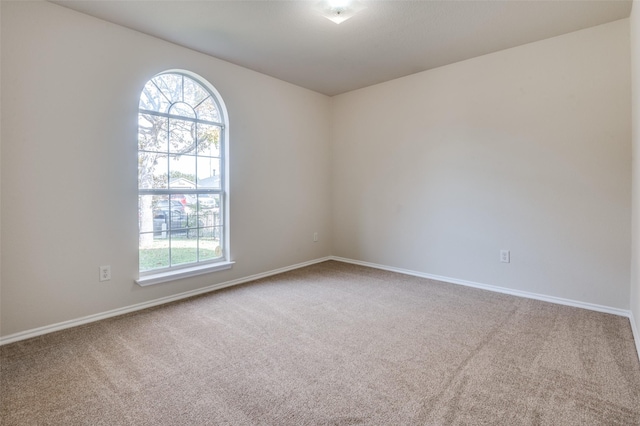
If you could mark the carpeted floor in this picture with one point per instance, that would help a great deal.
(331, 344)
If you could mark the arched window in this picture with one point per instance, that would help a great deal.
(182, 178)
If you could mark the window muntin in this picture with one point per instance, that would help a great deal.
(181, 176)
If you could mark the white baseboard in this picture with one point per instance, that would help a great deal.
(519, 293)
(140, 306)
(636, 332)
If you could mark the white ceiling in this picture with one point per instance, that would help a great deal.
(388, 39)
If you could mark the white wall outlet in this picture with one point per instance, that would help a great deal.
(105, 273)
(315, 237)
(505, 256)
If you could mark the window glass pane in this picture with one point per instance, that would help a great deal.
(183, 110)
(145, 217)
(182, 180)
(208, 111)
(153, 248)
(194, 222)
(152, 133)
(210, 245)
(208, 173)
(152, 171)
(155, 256)
(208, 140)
(191, 201)
(182, 166)
(208, 205)
(176, 210)
(182, 136)
(167, 215)
(170, 85)
(216, 211)
(193, 92)
(184, 250)
(152, 99)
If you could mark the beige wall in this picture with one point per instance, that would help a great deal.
(527, 149)
(70, 87)
(635, 83)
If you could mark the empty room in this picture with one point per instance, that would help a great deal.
(320, 212)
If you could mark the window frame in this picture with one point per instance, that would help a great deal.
(199, 267)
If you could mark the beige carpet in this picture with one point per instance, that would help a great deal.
(331, 344)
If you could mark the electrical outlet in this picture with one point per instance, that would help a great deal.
(315, 237)
(505, 256)
(105, 273)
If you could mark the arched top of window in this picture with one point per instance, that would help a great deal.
(180, 95)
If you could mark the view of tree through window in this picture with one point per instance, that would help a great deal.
(180, 174)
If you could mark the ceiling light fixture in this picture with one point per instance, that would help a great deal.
(339, 10)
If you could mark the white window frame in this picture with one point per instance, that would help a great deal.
(174, 272)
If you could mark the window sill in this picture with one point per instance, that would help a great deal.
(193, 271)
